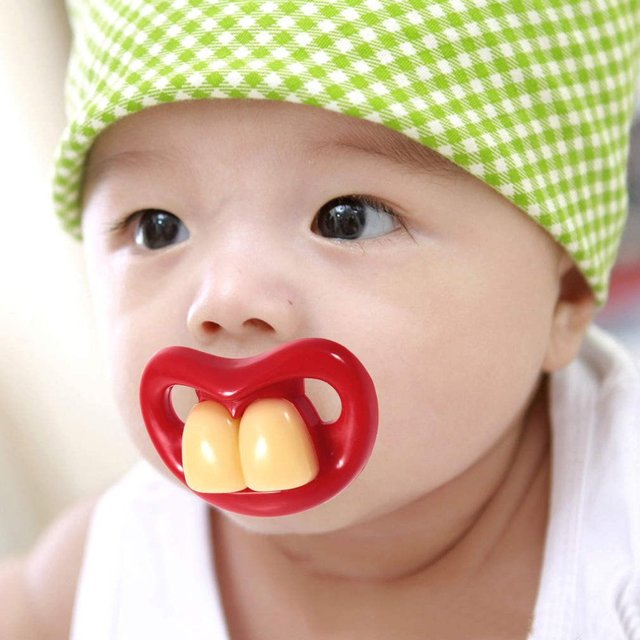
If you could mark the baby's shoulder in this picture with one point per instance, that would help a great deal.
(37, 591)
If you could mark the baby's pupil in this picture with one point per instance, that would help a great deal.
(159, 228)
(342, 219)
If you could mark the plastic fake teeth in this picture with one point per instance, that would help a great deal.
(268, 449)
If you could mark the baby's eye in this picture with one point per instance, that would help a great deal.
(355, 218)
(157, 229)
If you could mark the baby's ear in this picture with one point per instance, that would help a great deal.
(573, 313)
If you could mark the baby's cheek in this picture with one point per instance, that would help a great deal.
(126, 397)
(126, 363)
(137, 432)
(446, 397)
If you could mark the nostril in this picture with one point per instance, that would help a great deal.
(256, 323)
(210, 327)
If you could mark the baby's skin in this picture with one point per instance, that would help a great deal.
(214, 225)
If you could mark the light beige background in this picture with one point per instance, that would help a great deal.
(60, 438)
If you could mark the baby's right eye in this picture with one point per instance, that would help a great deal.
(156, 229)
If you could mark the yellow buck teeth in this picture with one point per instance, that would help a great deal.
(210, 455)
(269, 449)
(276, 451)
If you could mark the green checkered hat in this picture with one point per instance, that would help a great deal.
(534, 97)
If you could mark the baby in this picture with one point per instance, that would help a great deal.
(438, 186)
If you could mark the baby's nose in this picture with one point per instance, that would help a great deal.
(252, 299)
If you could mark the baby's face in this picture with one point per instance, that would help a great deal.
(442, 288)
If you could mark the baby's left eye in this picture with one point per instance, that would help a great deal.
(355, 218)
(157, 229)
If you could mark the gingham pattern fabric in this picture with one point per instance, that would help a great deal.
(534, 97)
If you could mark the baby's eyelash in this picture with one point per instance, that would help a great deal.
(377, 204)
(383, 206)
(120, 225)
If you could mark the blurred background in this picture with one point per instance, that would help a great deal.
(60, 437)
(622, 313)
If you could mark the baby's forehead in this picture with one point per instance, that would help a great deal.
(155, 132)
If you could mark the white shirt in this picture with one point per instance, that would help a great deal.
(148, 566)
(590, 585)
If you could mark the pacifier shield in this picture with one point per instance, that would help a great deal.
(255, 444)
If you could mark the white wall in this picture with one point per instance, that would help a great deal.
(60, 438)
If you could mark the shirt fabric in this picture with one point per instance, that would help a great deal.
(148, 569)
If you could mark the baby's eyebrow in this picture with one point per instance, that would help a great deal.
(397, 148)
(387, 145)
(123, 160)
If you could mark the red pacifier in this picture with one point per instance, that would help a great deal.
(254, 444)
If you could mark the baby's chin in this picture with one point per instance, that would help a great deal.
(326, 518)
(353, 507)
